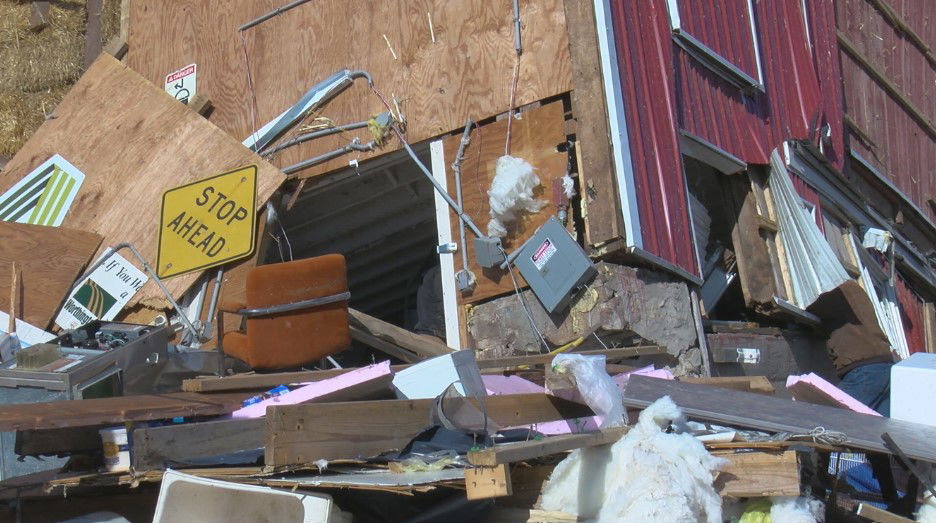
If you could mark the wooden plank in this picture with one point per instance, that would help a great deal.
(878, 515)
(423, 346)
(545, 359)
(524, 515)
(758, 474)
(305, 433)
(487, 482)
(593, 146)
(384, 346)
(533, 137)
(173, 445)
(756, 411)
(522, 451)
(117, 47)
(758, 384)
(755, 268)
(846, 45)
(50, 259)
(437, 83)
(125, 133)
(102, 411)
(92, 40)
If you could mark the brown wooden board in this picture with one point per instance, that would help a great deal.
(421, 345)
(49, 260)
(77, 413)
(533, 137)
(467, 71)
(758, 474)
(305, 433)
(132, 141)
(593, 147)
(746, 409)
(758, 384)
(755, 267)
(176, 445)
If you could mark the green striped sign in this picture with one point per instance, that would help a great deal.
(44, 196)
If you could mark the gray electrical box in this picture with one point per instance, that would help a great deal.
(554, 265)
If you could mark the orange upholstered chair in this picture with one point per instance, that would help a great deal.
(297, 312)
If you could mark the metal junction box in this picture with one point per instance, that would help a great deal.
(554, 265)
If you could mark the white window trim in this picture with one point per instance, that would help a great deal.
(714, 61)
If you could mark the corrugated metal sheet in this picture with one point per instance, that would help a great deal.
(893, 142)
(665, 89)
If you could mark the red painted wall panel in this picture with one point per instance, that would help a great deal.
(665, 89)
(911, 314)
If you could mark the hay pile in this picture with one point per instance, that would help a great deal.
(39, 67)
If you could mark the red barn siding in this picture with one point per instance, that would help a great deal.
(898, 145)
(664, 89)
(912, 311)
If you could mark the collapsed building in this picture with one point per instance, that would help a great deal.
(729, 192)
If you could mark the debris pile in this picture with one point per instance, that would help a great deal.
(242, 284)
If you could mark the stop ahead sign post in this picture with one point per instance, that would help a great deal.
(207, 223)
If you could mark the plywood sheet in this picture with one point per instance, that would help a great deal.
(132, 141)
(466, 71)
(49, 260)
(533, 137)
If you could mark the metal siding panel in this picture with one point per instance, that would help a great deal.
(645, 53)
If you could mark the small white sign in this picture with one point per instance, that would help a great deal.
(102, 294)
(543, 253)
(181, 84)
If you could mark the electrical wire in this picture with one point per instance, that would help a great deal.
(252, 102)
(526, 309)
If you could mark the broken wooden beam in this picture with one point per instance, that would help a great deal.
(758, 384)
(419, 344)
(522, 451)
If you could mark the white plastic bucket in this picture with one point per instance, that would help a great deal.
(116, 449)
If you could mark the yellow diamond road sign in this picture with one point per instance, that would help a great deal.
(207, 223)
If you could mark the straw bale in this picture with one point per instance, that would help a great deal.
(22, 113)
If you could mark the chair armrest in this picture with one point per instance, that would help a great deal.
(298, 305)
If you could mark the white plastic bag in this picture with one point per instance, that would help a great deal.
(597, 389)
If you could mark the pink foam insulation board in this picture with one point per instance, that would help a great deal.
(811, 388)
(356, 384)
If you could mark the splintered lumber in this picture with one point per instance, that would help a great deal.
(758, 474)
(420, 345)
(768, 413)
(102, 411)
(522, 451)
(488, 482)
(523, 515)
(546, 359)
(132, 141)
(299, 434)
(759, 384)
(49, 260)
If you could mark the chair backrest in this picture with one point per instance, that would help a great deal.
(291, 339)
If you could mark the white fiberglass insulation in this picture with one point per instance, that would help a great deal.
(511, 192)
(648, 475)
